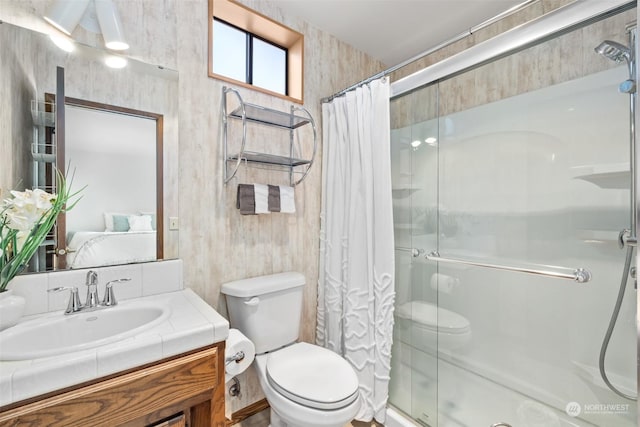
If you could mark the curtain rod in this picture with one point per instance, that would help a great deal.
(442, 45)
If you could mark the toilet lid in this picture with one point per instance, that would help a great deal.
(312, 376)
(432, 317)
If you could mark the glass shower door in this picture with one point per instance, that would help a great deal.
(521, 163)
(534, 172)
(414, 160)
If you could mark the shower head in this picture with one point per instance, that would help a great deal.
(614, 51)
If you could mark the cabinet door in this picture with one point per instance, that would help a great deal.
(177, 421)
(138, 397)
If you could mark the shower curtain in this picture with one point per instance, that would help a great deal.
(356, 280)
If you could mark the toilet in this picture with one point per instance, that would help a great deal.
(305, 385)
(431, 328)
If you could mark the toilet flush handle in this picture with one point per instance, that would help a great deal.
(253, 301)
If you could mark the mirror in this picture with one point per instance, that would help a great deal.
(121, 141)
(118, 221)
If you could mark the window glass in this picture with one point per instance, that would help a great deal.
(229, 51)
(269, 66)
(253, 51)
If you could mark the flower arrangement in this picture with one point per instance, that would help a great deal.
(25, 221)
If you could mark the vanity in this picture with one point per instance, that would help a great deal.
(180, 391)
(166, 369)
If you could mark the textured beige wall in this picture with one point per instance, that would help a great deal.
(564, 58)
(216, 243)
(16, 85)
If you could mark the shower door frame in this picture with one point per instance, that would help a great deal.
(553, 24)
(636, 218)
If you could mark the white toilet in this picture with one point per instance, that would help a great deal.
(305, 385)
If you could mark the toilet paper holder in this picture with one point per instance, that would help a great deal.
(238, 357)
(238, 349)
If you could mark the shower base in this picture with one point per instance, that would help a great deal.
(467, 399)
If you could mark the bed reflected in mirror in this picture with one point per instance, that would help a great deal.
(115, 154)
(129, 182)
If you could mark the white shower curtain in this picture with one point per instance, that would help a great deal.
(356, 281)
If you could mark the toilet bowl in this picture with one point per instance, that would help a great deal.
(306, 385)
(427, 327)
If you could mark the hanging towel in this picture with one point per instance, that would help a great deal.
(261, 192)
(274, 198)
(287, 201)
(246, 199)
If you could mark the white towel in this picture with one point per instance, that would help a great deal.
(261, 192)
(287, 201)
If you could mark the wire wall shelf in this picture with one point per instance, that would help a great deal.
(267, 116)
(298, 117)
(43, 113)
(43, 152)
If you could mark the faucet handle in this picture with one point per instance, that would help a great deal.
(92, 299)
(109, 296)
(92, 278)
(74, 304)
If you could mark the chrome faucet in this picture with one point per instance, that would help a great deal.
(92, 302)
(92, 299)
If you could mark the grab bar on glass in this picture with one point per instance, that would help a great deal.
(580, 275)
(414, 251)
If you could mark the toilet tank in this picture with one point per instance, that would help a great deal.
(266, 309)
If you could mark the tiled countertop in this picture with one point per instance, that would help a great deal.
(191, 324)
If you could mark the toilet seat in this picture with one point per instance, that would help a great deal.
(312, 376)
(434, 318)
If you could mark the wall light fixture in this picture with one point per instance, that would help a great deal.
(65, 15)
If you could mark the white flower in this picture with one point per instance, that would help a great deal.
(27, 208)
(37, 197)
(26, 219)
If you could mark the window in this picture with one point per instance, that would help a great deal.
(251, 50)
(269, 67)
(230, 51)
(243, 56)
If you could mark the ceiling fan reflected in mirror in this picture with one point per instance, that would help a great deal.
(98, 16)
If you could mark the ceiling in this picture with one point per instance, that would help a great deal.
(394, 30)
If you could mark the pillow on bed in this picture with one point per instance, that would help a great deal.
(153, 218)
(140, 223)
(108, 220)
(121, 223)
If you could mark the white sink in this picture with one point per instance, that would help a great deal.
(58, 334)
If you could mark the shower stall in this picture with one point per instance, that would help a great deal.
(514, 213)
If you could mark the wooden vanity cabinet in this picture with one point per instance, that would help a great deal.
(186, 390)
